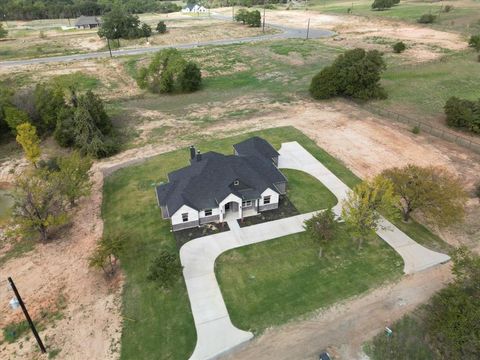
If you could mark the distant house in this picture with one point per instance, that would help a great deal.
(194, 8)
(217, 187)
(87, 22)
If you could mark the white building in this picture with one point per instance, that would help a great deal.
(194, 9)
(216, 187)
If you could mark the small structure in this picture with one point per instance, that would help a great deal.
(217, 187)
(194, 8)
(87, 22)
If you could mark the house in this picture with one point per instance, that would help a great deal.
(194, 8)
(87, 22)
(217, 187)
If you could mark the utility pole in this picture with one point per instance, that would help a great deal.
(109, 48)
(263, 16)
(308, 27)
(27, 316)
(233, 11)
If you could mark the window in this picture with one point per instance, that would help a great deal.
(208, 212)
(246, 203)
(236, 182)
(266, 200)
(185, 217)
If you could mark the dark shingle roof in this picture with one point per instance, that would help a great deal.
(87, 20)
(256, 146)
(205, 183)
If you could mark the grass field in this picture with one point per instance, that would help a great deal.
(462, 18)
(159, 325)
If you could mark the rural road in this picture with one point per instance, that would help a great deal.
(286, 33)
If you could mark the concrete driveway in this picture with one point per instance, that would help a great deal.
(216, 334)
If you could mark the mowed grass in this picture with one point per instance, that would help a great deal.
(307, 193)
(158, 324)
(270, 283)
(422, 90)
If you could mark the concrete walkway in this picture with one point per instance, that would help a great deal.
(215, 332)
(415, 256)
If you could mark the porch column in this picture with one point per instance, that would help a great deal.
(221, 213)
(240, 210)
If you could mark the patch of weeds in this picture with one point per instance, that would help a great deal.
(416, 129)
(131, 67)
(80, 80)
(53, 353)
(13, 331)
(18, 249)
(241, 112)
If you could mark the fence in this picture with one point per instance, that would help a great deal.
(445, 134)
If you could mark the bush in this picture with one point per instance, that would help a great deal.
(168, 7)
(15, 117)
(447, 8)
(165, 269)
(477, 190)
(161, 27)
(382, 4)
(355, 73)
(252, 18)
(463, 113)
(474, 42)
(169, 72)
(416, 130)
(399, 47)
(427, 19)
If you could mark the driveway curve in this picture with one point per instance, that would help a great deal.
(216, 335)
(286, 33)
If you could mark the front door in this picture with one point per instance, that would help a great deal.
(227, 207)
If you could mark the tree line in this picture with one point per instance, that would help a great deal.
(75, 120)
(54, 9)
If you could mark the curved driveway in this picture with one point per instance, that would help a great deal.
(215, 332)
(286, 33)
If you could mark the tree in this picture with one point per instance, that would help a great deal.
(321, 228)
(362, 207)
(74, 176)
(463, 113)
(190, 78)
(27, 137)
(169, 72)
(382, 4)
(165, 269)
(474, 42)
(49, 101)
(3, 32)
(38, 204)
(63, 133)
(15, 117)
(399, 47)
(453, 313)
(355, 73)
(161, 27)
(241, 16)
(433, 191)
(253, 18)
(118, 24)
(146, 31)
(107, 252)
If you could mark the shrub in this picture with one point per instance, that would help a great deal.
(416, 129)
(382, 4)
(355, 73)
(474, 42)
(477, 190)
(15, 117)
(168, 7)
(427, 19)
(165, 269)
(252, 18)
(447, 8)
(463, 113)
(399, 47)
(190, 78)
(161, 27)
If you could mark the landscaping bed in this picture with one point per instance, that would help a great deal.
(186, 235)
(285, 209)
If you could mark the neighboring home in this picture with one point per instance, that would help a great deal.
(217, 187)
(87, 22)
(194, 8)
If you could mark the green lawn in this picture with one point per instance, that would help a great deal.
(307, 193)
(270, 283)
(159, 325)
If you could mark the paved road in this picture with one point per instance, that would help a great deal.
(286, 33)
(216, 334)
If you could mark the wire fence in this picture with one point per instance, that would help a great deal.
(442, 133)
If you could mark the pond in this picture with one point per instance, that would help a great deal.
(6, 203)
